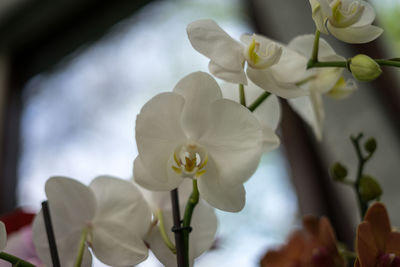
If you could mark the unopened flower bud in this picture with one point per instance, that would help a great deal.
(369, 188)
(370, 145)
(339, 172)
(364, 68)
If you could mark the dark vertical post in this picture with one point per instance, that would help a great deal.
(177, 229)
(50, 234)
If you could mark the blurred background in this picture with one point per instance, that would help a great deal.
(75, 73)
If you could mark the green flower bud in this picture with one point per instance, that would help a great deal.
(364, 68)
(339, 172)
(370, 145)
(369, 188)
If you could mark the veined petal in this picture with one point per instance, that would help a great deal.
(3, 236)
(213, 42)
(366, 248)
(199, 90)
(356, 35)
(159, 132)
(270, 139)
(221, 196)
(367, 17)
(234, 140)
(122, 220)
(204, 225)
(67, 241)
(310, 108)
(70, 201)
(232, 76)
(378, 219)
(143, 178)
(266, 80)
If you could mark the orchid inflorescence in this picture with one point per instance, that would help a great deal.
(215, 138)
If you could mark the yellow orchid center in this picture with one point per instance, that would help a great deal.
(191, 160)
(345, 15)
(261, 56)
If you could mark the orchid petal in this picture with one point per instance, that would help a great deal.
(378, 218)
(232, 76)
(393, 243)
(122, 220)
(366, 246)
(67, 241)
(356, 34)
(367, 17)
(213, 42)
(143, 178)
(199, 90)
(81, 201)
(3, 236)
(159, 132)
(318, 16)
(266, 80)
(221, 196)
(233, 140)
(311, 111)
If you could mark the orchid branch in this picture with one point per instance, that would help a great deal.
(242, 95)
(81, 251)
(15, 260)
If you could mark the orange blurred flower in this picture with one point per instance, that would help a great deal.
(376, 244)
(313, 246)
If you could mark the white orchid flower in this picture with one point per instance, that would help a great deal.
(111, 213)
(3, 236)
(318, 81)
(268, 112)
(193, 133)
(228, 56)
(204, 225)
(347, 20)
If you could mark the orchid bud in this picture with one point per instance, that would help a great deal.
(370, 145)
(364, 68)
(339, 172)
(369, 188)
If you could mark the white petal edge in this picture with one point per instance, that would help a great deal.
(213, 42)
(356, 35)
(71, 201)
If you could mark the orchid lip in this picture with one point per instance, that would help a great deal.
(190, 160)
(345, 16)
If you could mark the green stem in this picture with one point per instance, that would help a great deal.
(163, 233)
(15, 260)
(363, 205)
(385, 62)
(190, 205)
(242, 95)
(258, 101)
(81, 250)
(314, 55)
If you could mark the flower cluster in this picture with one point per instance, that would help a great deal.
(202, 143)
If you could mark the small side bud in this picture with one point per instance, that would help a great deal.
(369, 188)
(364, 68)
(370, 145)
(339, 172)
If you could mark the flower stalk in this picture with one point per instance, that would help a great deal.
(81, 251)
(259, 101)
(190, 205)
(163, 233)
(15, 261)
(242, 95)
